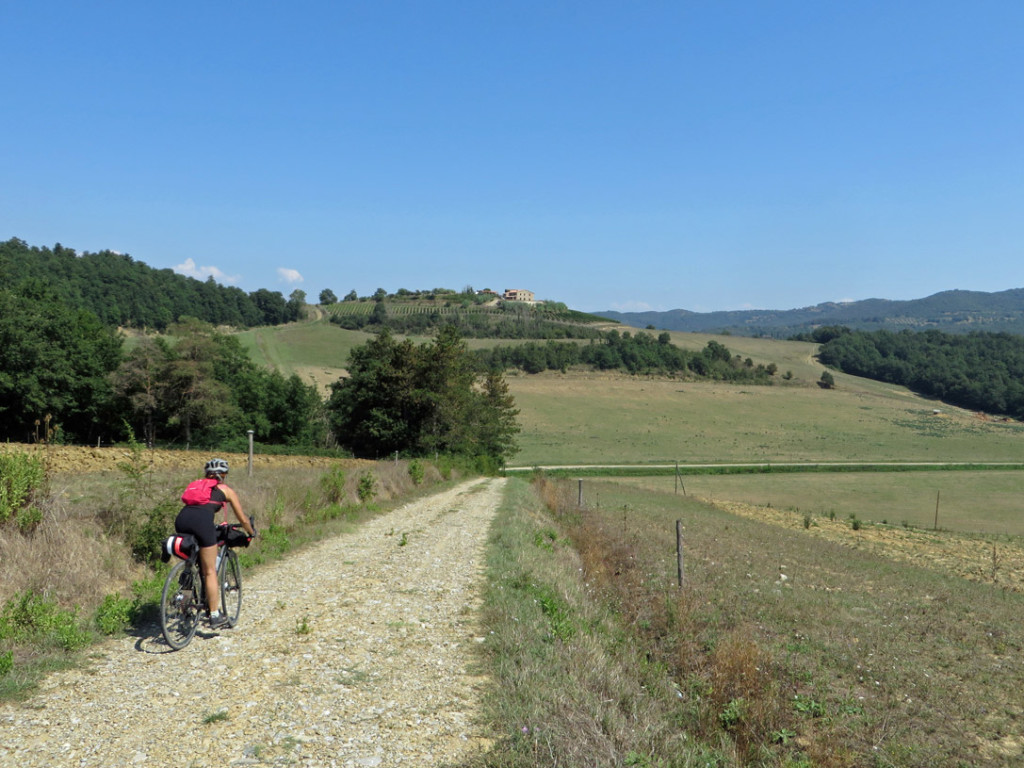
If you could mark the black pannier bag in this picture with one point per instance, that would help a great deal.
(232, 537)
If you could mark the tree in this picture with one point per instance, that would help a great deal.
(193, 392)
(352, 295)
(327, 297)
(141, 380)
(271, 305)
(421, 400)
(374, 411)
(54, 363)
(296, 301)
(827, 380)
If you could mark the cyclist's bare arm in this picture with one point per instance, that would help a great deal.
(236, 507)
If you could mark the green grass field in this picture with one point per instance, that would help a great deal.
(592, 419)
(978, 502)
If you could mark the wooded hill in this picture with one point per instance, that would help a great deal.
(127, 293)
(979, 371)
(948, 311)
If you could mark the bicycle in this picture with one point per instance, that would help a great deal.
(183, 600)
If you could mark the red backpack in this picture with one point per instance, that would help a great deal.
(198, 491)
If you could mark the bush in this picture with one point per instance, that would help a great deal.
(32, 618)
(416, 471)
(114, 614)
(148, 537)
(367, 488)
(332, 483)
(21, 474)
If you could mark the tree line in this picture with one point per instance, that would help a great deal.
(635, 353)
(67, 377)
(121, 291)
(980, 371)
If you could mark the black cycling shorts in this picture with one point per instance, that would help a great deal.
(199, 522)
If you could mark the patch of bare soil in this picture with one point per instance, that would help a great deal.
(74, 459)
(978, 559)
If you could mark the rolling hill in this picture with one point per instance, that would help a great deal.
(949, 311)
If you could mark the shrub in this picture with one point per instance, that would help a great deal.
(21, 474)
(332, 483)
(416, 471)
(114, 614)
(32, 618)
(367, 488)
(147, 538)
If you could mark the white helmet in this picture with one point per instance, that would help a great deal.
(216, 467)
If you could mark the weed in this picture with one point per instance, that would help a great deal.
(220, 716)
(783, 736)
(367, 488)
(302, 626)
(114, 614)
(21, 476)
(732, 714)
(32, 618)
(808, 707)
(807, 522)
(416, 471)
(545, 539)
(332, 483)
(404, 540)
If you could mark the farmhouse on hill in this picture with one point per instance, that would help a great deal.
(518, 294)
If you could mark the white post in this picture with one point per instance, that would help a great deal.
(250, 433)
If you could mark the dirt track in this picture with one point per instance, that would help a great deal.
(354, 652)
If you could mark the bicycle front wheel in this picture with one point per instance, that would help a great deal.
(230, 578)
(179, 606)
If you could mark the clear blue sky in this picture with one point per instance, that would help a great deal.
(612, 155)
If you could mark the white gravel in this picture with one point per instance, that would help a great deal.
(356, 652)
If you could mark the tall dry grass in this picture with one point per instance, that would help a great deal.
(82, 550)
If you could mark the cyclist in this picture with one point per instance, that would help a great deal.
(203, 498)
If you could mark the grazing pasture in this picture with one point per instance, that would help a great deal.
(579, 418)
(989, 502)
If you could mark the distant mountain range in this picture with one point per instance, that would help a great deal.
(948, 311)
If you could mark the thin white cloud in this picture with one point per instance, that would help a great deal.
(189, 269)
(286, 275)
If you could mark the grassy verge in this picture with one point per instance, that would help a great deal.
(571, 688)
(780, 650)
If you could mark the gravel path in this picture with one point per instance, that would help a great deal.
(356, 652)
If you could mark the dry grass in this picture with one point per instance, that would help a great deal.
(81, 551)
(73, 561)
(789, 647)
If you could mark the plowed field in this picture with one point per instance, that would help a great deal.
(73, 459)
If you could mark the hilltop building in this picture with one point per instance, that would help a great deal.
(518, 294)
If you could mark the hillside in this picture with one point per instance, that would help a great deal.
(949, 311)
(124, 292)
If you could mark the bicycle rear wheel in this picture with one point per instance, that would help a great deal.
(230, 578)
(179, 605)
